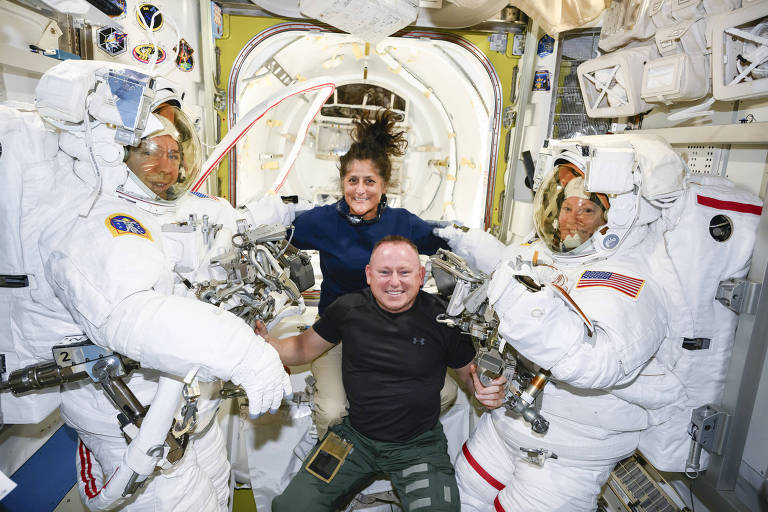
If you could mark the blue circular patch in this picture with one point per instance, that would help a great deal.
(611, 241)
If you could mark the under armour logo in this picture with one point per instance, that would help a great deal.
(418, 341)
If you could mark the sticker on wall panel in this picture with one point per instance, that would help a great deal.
(149, 16)
(120, 4)
(111, 41)
(184, 60)
(546, 46)
(541, 81)
(217, 20)
(143, 53)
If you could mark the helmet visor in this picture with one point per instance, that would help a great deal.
(168, 159)
(566, 215)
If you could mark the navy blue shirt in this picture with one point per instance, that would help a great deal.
(346, 249)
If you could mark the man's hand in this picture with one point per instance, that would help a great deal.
(295, 350)
(490, 396)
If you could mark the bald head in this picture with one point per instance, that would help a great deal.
(395, 274)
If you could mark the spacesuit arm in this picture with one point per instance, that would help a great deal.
(481, 250)
(115, 290)
(271, 209)
(547, 332)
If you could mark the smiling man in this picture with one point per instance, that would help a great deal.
(394, 363)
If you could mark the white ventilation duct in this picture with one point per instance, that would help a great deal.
(452, 14)
(611, 84)
(740, 53)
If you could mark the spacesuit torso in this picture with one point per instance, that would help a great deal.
(117, 250)
(597, 383)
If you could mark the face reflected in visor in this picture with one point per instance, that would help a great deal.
(565, 214)
(579, 218)
(168, 159)
(157, 163)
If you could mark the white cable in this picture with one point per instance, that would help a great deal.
(86, 207)
(323, 86)
(294, 310)
(153, 40)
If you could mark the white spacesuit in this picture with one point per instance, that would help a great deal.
(117, 239)
(606, 385)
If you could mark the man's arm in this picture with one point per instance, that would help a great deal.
(296, 350)
(491, 396)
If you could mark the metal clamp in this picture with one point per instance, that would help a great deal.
(188, 421)
(524, 402)
(537, 456)
(707, 430)
(739, 295)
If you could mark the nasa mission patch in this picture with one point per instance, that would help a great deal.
(143, 53)
(149, 16)
(111, 41)
(120, 224)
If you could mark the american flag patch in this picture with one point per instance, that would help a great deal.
(629, 286)
(204, 196)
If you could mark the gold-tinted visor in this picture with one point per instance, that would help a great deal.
(565, 215)
(168, 159)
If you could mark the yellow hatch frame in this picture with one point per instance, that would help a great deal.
(238, 29)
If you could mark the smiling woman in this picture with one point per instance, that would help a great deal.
(363, 189)
(345, 232)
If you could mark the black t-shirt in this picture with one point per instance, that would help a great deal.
(393, 364)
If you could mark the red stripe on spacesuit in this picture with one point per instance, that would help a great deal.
(85, 470)
(497, 505)
(732, 206)
(480, 471)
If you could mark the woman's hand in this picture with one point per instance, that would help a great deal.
(261, 329)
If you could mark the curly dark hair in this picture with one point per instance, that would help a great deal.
(375, 140)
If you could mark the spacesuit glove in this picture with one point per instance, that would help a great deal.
(504, 289)
(271, 209)
(262, 376)
(481, 250)
(540, 274)
(442, 224)
(536, 323)
(301, 207)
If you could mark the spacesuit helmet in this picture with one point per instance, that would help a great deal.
(168, 158)
(598, 193)
(122, 127)
(566, 215)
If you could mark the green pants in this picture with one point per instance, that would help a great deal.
(420, 470)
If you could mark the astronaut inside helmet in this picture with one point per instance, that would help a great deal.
(167, 159)
(566, 214)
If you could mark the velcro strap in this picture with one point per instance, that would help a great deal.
(9, 281)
